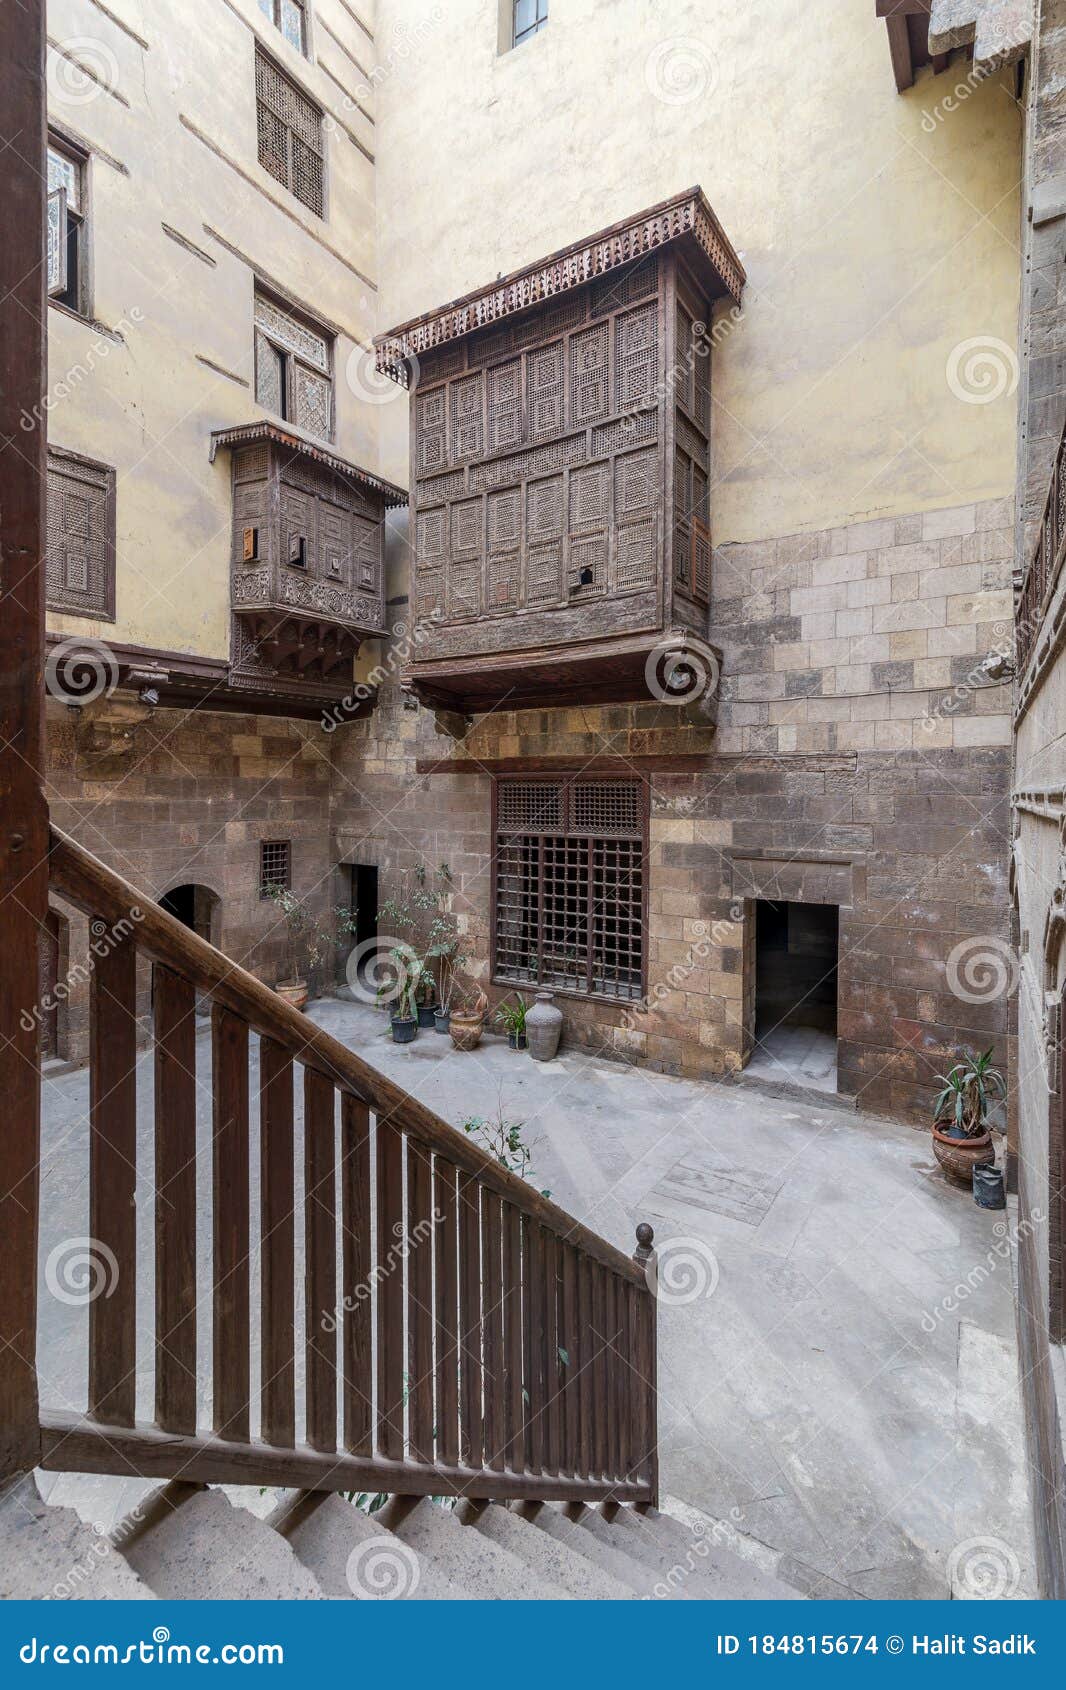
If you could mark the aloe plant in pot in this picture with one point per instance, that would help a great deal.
(961, 1137)
(512, 1016)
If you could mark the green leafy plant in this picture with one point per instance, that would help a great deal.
(503, 1140)
(513, 1015)
(420, 913)
(401, 993)
(307, 942)
(968, 1090)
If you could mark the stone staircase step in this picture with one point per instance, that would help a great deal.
(353, 1556)
(605, 1551)
(466, 1557)
(192, 1544)
(544, 1555)
(47, 1552)
(683, 1556)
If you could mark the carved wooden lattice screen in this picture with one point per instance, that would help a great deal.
(569, 885)
(290, 134)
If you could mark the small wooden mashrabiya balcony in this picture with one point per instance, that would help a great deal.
(474, 1358)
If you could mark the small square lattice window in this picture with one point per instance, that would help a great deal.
(290, 134)
(275, 866)
(570, 875)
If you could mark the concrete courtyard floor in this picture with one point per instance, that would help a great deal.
(838, 1368)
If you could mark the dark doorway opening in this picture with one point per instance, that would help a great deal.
(796, 952)
(363, 899)
(196, 907)
(48, 954)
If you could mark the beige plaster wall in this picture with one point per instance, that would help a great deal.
(173, 140)
(879, 232)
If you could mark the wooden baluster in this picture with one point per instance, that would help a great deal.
(356, 1265)
(174, 1003)
(533, 1278)
(390, 1229)
(613, 1462)
(277, 1245)
(492, 1328)
(634, 1386)
(420, 1299)
(569, 1346)
(646, 1362)
(320, 1256)
(514, 1422)
(585, 1367)
(230, 1326)
(113, 1182)
(552, 1379)
(471, 1430)
(446, 1262)
(601, 1461)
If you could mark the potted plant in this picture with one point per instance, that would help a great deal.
(467, 1020)
(961, 1139)
(401, 994)
(418, 916)
(513, 1017)
(306, 943)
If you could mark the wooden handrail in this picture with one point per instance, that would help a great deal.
(95, 889)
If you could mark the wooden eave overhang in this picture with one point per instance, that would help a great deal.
(907, 22)
(687, 218)
(252, 434)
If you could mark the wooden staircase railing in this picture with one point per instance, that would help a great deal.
(477, 1340)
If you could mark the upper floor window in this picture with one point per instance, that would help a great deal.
(290, 16)
(529, 17)
(293, 367)
(66, 227)
(80, 565)
(291, 146)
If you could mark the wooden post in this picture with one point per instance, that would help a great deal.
(23, 812)
(647, 1361)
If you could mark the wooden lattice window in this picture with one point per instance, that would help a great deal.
(275, 866)
(570, 879)
(81, 536)
(67, 229)
(529, 17)
(293, 367)
(290, 16)
(291, 146)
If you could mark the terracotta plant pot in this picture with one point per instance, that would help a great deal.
(293, 991)
(467, 1025)
(960, 1156)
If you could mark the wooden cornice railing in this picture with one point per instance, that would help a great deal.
(480, 1341)
(1044, 564)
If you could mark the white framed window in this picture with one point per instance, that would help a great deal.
(290, 17)
(528, 18)
(67, 228)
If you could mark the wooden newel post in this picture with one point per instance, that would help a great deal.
(647, 1363)
(23, 813)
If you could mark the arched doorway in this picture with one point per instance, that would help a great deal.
(199, 909)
